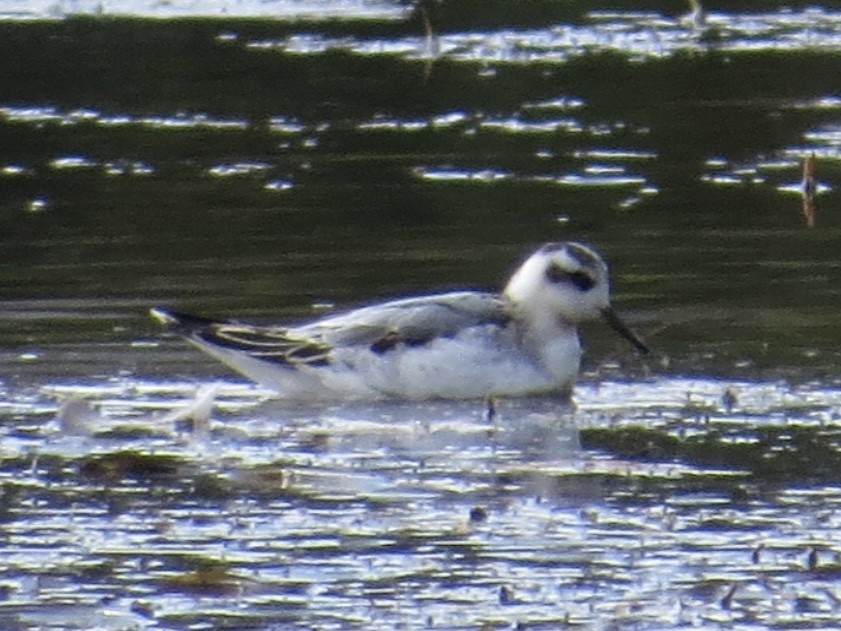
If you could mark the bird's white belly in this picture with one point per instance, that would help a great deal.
(456, 368)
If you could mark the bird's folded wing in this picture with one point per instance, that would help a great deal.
(413, 321)
(268, 343)
(409, 322)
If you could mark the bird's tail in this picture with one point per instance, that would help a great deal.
(180, 322)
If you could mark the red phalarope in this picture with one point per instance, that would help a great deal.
(457, 345)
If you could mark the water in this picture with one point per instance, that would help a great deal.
(277, 160)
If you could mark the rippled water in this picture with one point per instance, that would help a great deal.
(278, 160)
(421, 515)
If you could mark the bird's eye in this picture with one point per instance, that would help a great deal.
(581, 280)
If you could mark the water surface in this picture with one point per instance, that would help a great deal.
(266, 161)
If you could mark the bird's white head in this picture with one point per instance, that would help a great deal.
(563, 284)
(566, 281)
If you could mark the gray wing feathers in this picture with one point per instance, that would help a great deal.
(410, 322)
(413, 321)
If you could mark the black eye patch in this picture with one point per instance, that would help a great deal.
(581, 280)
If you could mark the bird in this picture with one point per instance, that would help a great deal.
(458, 345)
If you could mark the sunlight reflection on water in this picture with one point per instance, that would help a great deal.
(639, 36)
(278, 9)
(426, 501)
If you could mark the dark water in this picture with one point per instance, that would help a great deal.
(273, 160)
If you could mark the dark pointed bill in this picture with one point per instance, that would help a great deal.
(622, 329)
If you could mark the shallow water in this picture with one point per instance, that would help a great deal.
(279, 160)
(424, 514)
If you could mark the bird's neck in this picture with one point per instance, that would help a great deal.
(542, 326)
(552, 341)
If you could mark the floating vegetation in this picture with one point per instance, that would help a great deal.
(118, 467)
(773, 454)
(208, 578)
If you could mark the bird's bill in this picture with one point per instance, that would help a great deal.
(616, 323)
